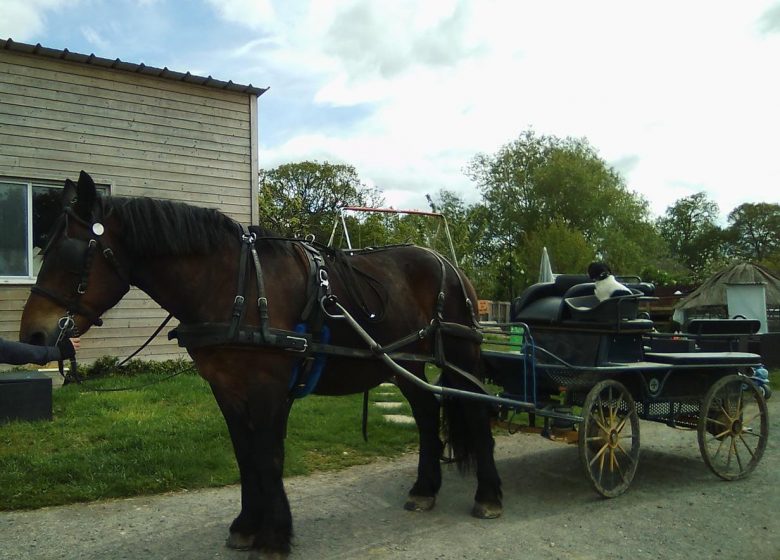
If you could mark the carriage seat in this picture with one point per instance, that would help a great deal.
(723, 326)
(644, 288)
(537, 303)
(542, 302)
(571, 298)
(588, 308)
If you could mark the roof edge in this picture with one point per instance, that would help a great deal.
(117, 64)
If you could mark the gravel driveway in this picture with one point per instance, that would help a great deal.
(675, 509)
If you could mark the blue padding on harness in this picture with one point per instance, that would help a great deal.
(299, 389)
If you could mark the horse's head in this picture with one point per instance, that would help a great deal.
(81, 276)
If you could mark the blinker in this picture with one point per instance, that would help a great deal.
(72, 254)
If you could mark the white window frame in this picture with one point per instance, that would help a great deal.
(30, 278)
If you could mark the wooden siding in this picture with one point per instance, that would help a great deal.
(142, 136)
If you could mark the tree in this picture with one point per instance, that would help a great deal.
(754, 231)
(540, 184)
(567, 247)
(692, 234)
(297, 199)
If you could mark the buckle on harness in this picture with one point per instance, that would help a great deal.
(301, 346)
(238, 305)
(323, 275)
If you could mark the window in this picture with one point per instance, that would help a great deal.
(28, 211)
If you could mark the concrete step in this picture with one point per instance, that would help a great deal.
(399, 418)
(389, 405)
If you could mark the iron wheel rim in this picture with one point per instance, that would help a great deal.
(609, 438)
(733, 427)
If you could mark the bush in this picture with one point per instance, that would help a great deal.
(109, 365)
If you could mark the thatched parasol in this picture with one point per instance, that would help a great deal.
(712, 293)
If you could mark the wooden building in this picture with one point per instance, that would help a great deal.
(138, 131)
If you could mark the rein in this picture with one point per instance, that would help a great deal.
(73, 373)
(133, 387)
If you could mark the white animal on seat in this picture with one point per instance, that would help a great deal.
(606, 285)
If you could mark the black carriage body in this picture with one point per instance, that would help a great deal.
(574, 341)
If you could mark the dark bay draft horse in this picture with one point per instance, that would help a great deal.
(241, 298)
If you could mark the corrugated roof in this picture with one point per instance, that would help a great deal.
(117, 64)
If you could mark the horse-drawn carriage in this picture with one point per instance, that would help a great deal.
(269, 319)
(591, 369)
(587, 370)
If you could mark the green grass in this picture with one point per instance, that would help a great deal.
(165, 437)
(171, 436)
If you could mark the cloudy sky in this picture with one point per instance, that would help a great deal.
(679, 96)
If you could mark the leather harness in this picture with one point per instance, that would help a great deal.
(236, 332)
(307, 339)
(310, 338)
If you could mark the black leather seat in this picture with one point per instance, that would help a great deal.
(527, 306)
(571, 298)
(608, 311)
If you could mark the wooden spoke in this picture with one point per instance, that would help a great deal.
(732, 410)
(610, 420)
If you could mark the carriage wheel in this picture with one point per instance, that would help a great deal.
(609, 438)
(733, 427)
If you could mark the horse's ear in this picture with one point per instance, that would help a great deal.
(86, 193)
(68, 193)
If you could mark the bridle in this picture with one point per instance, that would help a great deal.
(79, 254)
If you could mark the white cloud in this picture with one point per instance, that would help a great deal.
(387, 38)
(770, 20)
(94, 38)
(255, 14)
(688, 100)
(22, 20)
(679, 96)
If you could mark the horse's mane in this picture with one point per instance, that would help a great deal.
(153, 228)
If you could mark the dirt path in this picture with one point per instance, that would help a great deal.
(675, 510)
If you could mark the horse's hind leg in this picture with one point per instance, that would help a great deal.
(487, 500)
(256, 428)
(425, 409)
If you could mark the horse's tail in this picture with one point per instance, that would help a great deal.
(463, 422)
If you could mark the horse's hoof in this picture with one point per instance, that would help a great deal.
(420, 503)
(240, 541)
(486, 511)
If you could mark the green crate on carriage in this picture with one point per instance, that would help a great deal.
(516, 337)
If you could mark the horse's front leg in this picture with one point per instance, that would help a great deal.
(257, 427)
(425, 409)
